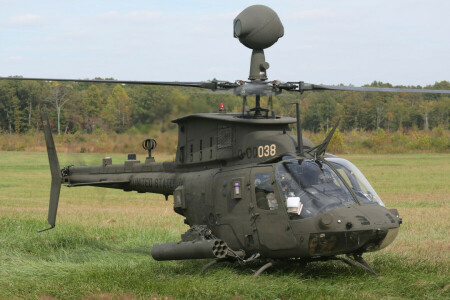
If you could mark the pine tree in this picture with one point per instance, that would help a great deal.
(17, 115)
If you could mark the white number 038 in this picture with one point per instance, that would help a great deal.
(267, 150)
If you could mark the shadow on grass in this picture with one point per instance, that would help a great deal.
(142, 250)
(310, 271)
(383, 264)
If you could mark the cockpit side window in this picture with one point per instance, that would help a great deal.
(356, 180)
(264, 193)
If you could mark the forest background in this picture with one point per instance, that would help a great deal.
(116, 118)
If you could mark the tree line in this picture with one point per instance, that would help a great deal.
(86, 107)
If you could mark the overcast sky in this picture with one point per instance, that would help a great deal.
(326, 41)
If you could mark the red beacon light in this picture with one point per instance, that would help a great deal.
(222, 107)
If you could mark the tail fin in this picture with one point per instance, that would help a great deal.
(54, 169)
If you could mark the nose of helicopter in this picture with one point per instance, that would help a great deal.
(353, 229)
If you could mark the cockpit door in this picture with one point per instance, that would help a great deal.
(269, 211)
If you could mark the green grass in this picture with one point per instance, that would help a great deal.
(100, 248)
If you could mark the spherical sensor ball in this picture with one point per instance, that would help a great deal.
(258, 27)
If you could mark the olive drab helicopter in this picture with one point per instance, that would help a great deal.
(249, 189)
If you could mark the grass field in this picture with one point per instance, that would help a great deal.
(101, 244)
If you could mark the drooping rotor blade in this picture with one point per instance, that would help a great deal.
(212, 85)
(302, 86)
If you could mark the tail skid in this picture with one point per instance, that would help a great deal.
(55, 172)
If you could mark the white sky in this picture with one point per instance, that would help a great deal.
(326, 41)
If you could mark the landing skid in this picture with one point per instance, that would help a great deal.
(241, 262)
(212, 263)
(352, 260)
(361, 261)
(231, 256)
(262, 269)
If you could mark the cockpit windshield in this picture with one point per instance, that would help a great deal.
(356, 180)
(311, 188)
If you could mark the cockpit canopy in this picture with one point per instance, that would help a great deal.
(311, 188)
(356, 180)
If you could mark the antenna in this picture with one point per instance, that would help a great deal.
(299, 130)
(149, 145)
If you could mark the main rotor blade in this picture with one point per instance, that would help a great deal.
(247, 88)
(202, 84)
(301, 87)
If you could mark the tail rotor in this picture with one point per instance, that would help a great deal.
(54, 170)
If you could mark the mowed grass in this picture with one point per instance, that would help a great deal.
(100, 248)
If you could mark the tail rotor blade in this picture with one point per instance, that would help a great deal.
(54, 170)
(53, 204)
(51, 149)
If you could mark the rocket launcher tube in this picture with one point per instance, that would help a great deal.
(190, 250)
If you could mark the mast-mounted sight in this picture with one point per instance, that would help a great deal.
(258, 27)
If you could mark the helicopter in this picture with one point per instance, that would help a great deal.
(249, 189)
